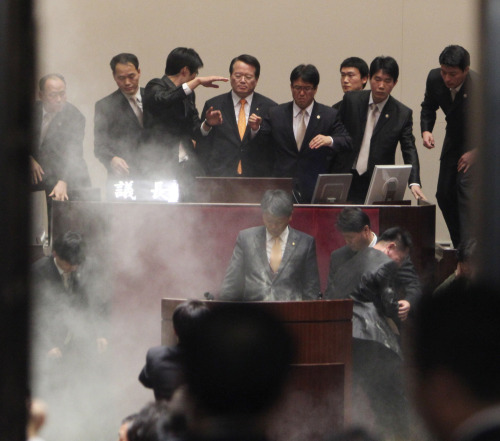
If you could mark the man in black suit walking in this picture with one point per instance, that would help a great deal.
(377, 122)
(450, 88)
(57, 164)
(229, 149)
(307, 137)
(118, 120)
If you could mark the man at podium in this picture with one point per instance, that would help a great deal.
(273, 262)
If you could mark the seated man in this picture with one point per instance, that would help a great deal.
(66, 316)
(57, 164)
(354, 226)
(368, 279)
(273, 262)
(163, 372)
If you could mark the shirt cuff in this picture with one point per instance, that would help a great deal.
(186, 89)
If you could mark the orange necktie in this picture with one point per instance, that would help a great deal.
(242, 126)
(275, 258)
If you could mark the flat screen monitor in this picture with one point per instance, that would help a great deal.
(388, 183)
(332, 189)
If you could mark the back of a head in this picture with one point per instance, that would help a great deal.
(459, 331)
(399, 236)
(352, 220)
(305, 72)
(70, 247)
(147, 423)
(277, 203)
(181, 57)
(387, 65)
(186, 317)
(237, 360)
(455, 56)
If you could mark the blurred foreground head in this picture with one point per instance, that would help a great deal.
(237, 360)
(457, 356)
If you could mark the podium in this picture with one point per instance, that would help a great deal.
(318, 396)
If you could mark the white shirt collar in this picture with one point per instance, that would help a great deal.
(297, 109)
(237, 99)
(379, 105)
(283, 236)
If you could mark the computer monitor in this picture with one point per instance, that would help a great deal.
(388, 183)
(331, 189)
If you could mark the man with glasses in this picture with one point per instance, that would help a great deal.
(228, 148)
(308, 138)
(57, 164)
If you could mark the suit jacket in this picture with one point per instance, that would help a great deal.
(61, 152)
(249, 276)
(223, 148)
(170, 118)
(367, 277)
(117, 131)
(163, 371)
(305, 165)
(438, 95)
(394, 125)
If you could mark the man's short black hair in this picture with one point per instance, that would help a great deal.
(70, 247)
(307, 73)
(247, 59)
(182, 57)
(455, 56)
(51, 76)
(124, 58)
(352, 220)
(357, 63)
(237, 360)
(387, 65)
(277, 203)
(186, 316)
(458, 330)
(399, 236)
(147, 424)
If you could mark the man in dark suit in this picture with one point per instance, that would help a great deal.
(456, 382)
(229, 149)
(57, 164)
(354, 226)
(273, 262)
(451, 88)
(368, 278)
(65, 319)
(307, 137)
(377, 122)
(163, 371)
(118, 120)
(171, 120)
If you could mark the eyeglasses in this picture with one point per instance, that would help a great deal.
(304, 88)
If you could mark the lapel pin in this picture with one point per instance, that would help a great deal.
(257, 109)
(293, 243)
(465, 95)
(387, 115)
(318, 116)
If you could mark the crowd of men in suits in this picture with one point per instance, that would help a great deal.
(156, 132)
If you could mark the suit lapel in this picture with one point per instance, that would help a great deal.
(385, 116)
(289, 127)
(229, 116)
(261, 250)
